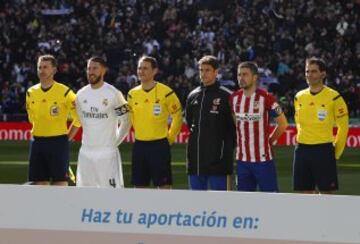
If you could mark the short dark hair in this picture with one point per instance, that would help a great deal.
(151, 60)
(209, 60)
(250, 65)
(99, 60)
(48, 57)
(319, 62)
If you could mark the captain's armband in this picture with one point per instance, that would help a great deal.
(122, 110)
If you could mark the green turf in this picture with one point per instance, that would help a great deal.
(13, 167)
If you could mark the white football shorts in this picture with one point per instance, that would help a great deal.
(99, 168)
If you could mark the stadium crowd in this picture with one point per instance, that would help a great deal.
(277, 34)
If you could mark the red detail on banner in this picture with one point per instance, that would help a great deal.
(22, 131)
(15, 131)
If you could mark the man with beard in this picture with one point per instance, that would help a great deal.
(103, 113)
(253, 108)
(48, 105)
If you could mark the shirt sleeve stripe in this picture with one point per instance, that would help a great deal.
(67, 92)
(169, 93)
(336, 97)
(226, 90)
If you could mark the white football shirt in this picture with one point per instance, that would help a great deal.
(100, 111)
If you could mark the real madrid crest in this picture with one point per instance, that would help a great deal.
(105, 102)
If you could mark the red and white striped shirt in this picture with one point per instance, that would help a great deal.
(252, 124)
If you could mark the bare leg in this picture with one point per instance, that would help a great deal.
(327, 192)
(60, 183)
(309, 192)
(165, 187)
(42, 183)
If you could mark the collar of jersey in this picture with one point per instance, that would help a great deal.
(47, 89)
(150, 88)
(211, 87)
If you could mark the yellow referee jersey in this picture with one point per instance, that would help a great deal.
(150, 111)
(316, 115)
(48, 111)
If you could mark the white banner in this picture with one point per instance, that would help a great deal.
(31, 214)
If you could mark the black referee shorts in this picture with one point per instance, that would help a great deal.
(315, 166)
(151, 161)
(49, 158)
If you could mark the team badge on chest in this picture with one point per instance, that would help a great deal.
(156, 109)
(216, 101)
(54, 110)
(105, 102)
(322, 114)
(215, 106)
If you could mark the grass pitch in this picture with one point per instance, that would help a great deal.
(14, 155)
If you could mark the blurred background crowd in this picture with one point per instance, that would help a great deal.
(279, 35)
